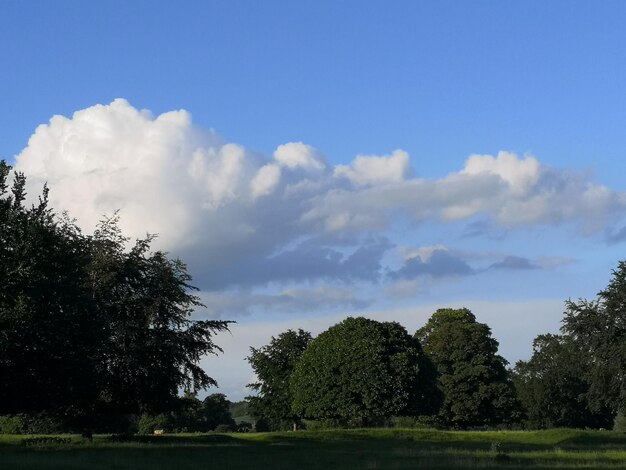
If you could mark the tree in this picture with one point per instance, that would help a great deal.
(552, 388)
(49, 330)
(598, 329)
(360, 371)
(273, 365)
(87, 325)
(473, 378)
(216, 412)
(191, 415)
(152, 347)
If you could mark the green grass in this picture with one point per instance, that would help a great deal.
(334, 449)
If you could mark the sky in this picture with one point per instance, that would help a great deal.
(318, 159)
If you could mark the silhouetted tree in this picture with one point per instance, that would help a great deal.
(89, 326)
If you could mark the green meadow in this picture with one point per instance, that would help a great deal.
(331, 449)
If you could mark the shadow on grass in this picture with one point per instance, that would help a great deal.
(172, 439)
(337, 449)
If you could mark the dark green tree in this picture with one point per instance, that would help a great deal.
(151, 347)
(49, 330)
(216, 411)
(472, 376)
(273, 365)
(552, 388)
(89, 326)
(598, 329)
(361, 371)
(191, 415)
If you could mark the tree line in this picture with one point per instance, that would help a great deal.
(362, 372)
(96, 333)
(449, 374)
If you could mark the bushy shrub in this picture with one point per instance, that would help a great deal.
(261, 425)
(414, 422)
(46, 441)
(11, 424)
(148, 423)
(43, 423)
(244, 426)
(39, 423)
(619, 424)
(223, 428)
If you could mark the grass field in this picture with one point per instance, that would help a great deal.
(336, 449)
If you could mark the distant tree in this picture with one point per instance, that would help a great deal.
(240, 409)
(273, 365)
(474, 380)
(89, 326)
(552, 387)
(216, 412)
(598, 329)
(361, 371)
(148, 423)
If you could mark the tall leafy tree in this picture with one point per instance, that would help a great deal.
(552, 388)
(88, 325)
(273, 365)
(49, 333)
(598, 328)
(151, 348)
(472, 376)
(361, 370)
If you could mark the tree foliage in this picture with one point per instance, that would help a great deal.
(552, 388)
(49, 328)
(473, 378)
(598, 329)
(273, 365)
(88, 325)
(191, 415)
(361, 370)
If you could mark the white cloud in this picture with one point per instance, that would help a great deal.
(373, 170)
(230, 212)
(507, 190)
(265, 181)
(298, 155)
(519, 174)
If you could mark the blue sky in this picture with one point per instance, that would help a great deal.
(258, 183)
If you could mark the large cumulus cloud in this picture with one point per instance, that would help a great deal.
(251, 220)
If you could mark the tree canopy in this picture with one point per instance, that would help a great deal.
(598, 329)
(361, 370)
(91, 324)
(473, 378)
(552, 388)
(273, 365)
